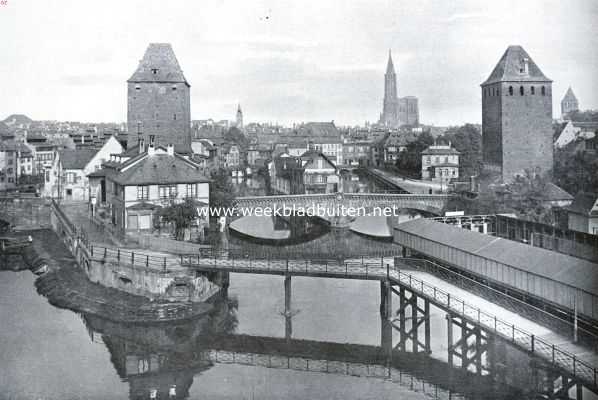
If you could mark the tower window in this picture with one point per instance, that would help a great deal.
(173, 87)
(543, 91)
(521, 90)
(137, 87)
(174, 117)
(533, 89)
(154, 71)
(510, 90)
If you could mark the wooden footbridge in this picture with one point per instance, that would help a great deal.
(396, 280)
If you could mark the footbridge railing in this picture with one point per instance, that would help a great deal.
(369, 269)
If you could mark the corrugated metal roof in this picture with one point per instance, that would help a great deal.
(552, 265)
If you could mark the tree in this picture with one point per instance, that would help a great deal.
(222, 191)
(575, 172)
(181, 215)
(410, 159)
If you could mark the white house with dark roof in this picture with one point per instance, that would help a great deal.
(76, 165)
(440, 163)
(137, 187)
(583, 213)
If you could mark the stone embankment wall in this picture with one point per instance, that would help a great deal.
(156, 276)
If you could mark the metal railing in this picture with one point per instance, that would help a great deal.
(379, 371)
(366, 269)
(131, 257)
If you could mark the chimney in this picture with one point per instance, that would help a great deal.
(170, 149)
(526, 66)
(141, 145)
(83, 139)
(151, 150)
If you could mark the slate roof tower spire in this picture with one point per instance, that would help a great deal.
(158, 101)
(517, 117)
(569, 103)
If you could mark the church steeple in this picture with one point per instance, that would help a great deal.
(239, 122)
(390, 108)
(390, 68)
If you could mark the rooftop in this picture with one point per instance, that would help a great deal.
(159, 169)
(76, 159)
(566, 269)
(512, 68)
(159, 64)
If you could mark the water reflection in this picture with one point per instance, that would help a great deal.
(160, 360)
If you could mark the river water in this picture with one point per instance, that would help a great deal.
(51, 353)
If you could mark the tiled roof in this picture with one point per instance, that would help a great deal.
(569, 96)
(76, 159)
(318, 129)
(430, 151)
(554, 193)
(158, 58)
(160, 169)
(585, 203)
(310, 155)
(511, 65)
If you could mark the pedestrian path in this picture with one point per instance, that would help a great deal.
(79, 215)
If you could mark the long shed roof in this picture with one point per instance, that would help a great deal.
(552, 265)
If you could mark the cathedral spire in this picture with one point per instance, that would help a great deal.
(390, 68)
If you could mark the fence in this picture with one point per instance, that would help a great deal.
(414, 383)
(133, 258)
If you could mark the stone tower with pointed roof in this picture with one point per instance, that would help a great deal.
(390, 108)
(569, 103)
(158, 101)
(517, 117)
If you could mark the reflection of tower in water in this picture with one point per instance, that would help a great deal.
(159, 361)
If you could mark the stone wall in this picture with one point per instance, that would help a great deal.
(153, 283)
(517, 129)
(164, 111)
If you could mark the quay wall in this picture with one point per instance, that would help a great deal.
(131, 271)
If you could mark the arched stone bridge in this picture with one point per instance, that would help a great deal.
(432, 203)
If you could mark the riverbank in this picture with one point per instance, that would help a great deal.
(65, 285)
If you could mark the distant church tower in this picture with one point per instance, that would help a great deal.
(239, 122)
(390, 108)
(517, 116)
(158, 101)
(569, 103)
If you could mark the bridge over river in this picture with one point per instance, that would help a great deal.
(415, 297)
(431, 203)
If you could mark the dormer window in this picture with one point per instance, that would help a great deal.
(154, 71)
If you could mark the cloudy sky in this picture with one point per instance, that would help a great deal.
(288, 61)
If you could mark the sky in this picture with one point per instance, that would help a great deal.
(288, 61)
